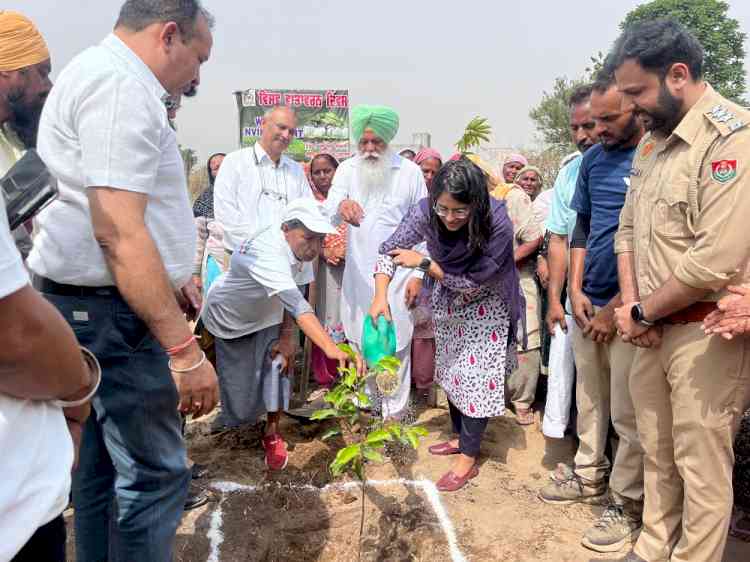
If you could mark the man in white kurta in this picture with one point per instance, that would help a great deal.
(373, 191)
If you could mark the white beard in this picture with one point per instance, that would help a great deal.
(374, 178)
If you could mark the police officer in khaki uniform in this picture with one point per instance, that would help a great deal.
(683, 238)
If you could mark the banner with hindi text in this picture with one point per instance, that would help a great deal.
(322, 119)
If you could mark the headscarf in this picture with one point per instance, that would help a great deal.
(319, 195)
(21, 44)
(204, 205)
(530, 168)
(427, 153)
(519, 158)
(382, 120)
(492, 178)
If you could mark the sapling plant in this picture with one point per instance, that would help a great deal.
(364, 439)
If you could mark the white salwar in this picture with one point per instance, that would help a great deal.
(383, 213)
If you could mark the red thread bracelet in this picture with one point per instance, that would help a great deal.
(180, 347)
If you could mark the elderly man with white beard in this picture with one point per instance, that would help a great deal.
(372, 192)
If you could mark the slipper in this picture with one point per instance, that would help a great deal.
(450, 482)
(443, 449)
(525, 417)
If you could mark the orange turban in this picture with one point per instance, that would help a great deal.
(21, 44)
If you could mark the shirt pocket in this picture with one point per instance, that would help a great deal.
(670, 212)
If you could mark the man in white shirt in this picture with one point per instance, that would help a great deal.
(244, 311)
(114, 253)
(252, 189)
(373, 191)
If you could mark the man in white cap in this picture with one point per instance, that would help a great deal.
(244, 311)
(372, 192)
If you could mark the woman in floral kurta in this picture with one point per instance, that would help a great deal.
(476, 301)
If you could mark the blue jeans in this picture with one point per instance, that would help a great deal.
(132, 480)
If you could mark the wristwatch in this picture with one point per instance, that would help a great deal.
(636, 313)
(424, 265)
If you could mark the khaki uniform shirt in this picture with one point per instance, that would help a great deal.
(687, 212)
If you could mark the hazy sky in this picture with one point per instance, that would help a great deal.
(438, 63)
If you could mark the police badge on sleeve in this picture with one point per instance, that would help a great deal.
(724, 170)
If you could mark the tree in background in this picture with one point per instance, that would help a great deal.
(723, 66)
(189, 158)
(552, 116)
(720, 35)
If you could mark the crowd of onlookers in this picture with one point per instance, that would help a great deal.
(620, 286)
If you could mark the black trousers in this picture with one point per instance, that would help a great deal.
(469, 430)
(46, 544)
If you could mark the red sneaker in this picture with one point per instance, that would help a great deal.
(276, 454)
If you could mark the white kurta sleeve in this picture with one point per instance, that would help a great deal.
(340, 189)
(226, 208)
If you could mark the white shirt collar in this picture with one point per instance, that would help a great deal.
(263, 156)
(140, 68)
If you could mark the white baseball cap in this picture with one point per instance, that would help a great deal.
(310, 213)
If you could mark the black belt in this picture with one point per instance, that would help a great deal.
(44, 285)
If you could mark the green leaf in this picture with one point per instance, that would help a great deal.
(413, 434)
(373, 455)
(378, 436)
(395, 430)
(413, 440)
(389, 362)
(333, 395)
(363, 399)
(333, 432)
(346, 348)
(324, 414)
(419, 430)
(351, 378)
(345, 455)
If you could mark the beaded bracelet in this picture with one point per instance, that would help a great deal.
(96, 369)
(189, 369)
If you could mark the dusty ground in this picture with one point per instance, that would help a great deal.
(496, 517)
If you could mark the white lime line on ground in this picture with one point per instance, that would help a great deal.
(215, 534)
(216, 537)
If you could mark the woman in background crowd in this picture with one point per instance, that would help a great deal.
(527, 237)
(512, 164)
(209, 256)
(476, 301)
(423, 341)
(429, 161)
(330, 273)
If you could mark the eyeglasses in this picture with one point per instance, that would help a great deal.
(457, 213)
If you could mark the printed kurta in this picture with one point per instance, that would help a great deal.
(472, 337)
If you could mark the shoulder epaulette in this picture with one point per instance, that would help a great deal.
(726, 120)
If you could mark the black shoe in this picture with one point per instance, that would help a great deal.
(199, 471)
(196, 498)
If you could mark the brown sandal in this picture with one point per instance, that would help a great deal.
(444, 448)
(450, 482)
(525, 417)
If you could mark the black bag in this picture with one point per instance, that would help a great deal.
(27, 188)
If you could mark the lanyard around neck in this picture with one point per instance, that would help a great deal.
(270, 193)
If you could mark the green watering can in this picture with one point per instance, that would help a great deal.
(378, 341)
